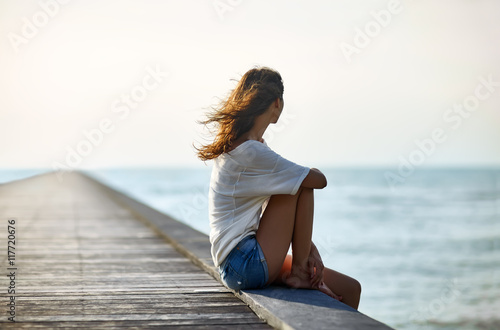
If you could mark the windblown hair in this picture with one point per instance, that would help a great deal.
(254, 93)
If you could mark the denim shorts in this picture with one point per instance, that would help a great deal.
(245, 267)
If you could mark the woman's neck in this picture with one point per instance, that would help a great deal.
(257, 131)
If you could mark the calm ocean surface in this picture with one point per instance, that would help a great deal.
(426, 253)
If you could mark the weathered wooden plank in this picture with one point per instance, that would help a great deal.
(197, 297)
(56, 309)
(211, 324)
(195, 318)
(122, 303)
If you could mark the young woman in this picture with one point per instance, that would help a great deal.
(259, 202)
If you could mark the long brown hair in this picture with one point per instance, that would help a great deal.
(254, 93)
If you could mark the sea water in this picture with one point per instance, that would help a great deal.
(426, 250)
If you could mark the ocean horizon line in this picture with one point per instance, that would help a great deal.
(195, 167)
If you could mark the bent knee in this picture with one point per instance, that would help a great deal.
(356, 287)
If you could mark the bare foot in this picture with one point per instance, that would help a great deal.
(326, 290)
(298, 278)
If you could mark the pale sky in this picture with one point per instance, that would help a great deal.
(121, 83)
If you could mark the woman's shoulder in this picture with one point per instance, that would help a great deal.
(254, 154)
(249, 154)
(244, 146)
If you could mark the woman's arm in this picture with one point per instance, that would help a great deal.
(315, 179)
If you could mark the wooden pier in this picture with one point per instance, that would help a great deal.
(88, 256)
(83, 260)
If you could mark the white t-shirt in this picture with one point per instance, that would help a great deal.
(242, 180)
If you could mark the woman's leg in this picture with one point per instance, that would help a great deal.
(287, 218)
(344, 286)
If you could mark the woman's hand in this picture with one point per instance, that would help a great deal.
(316, 266)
